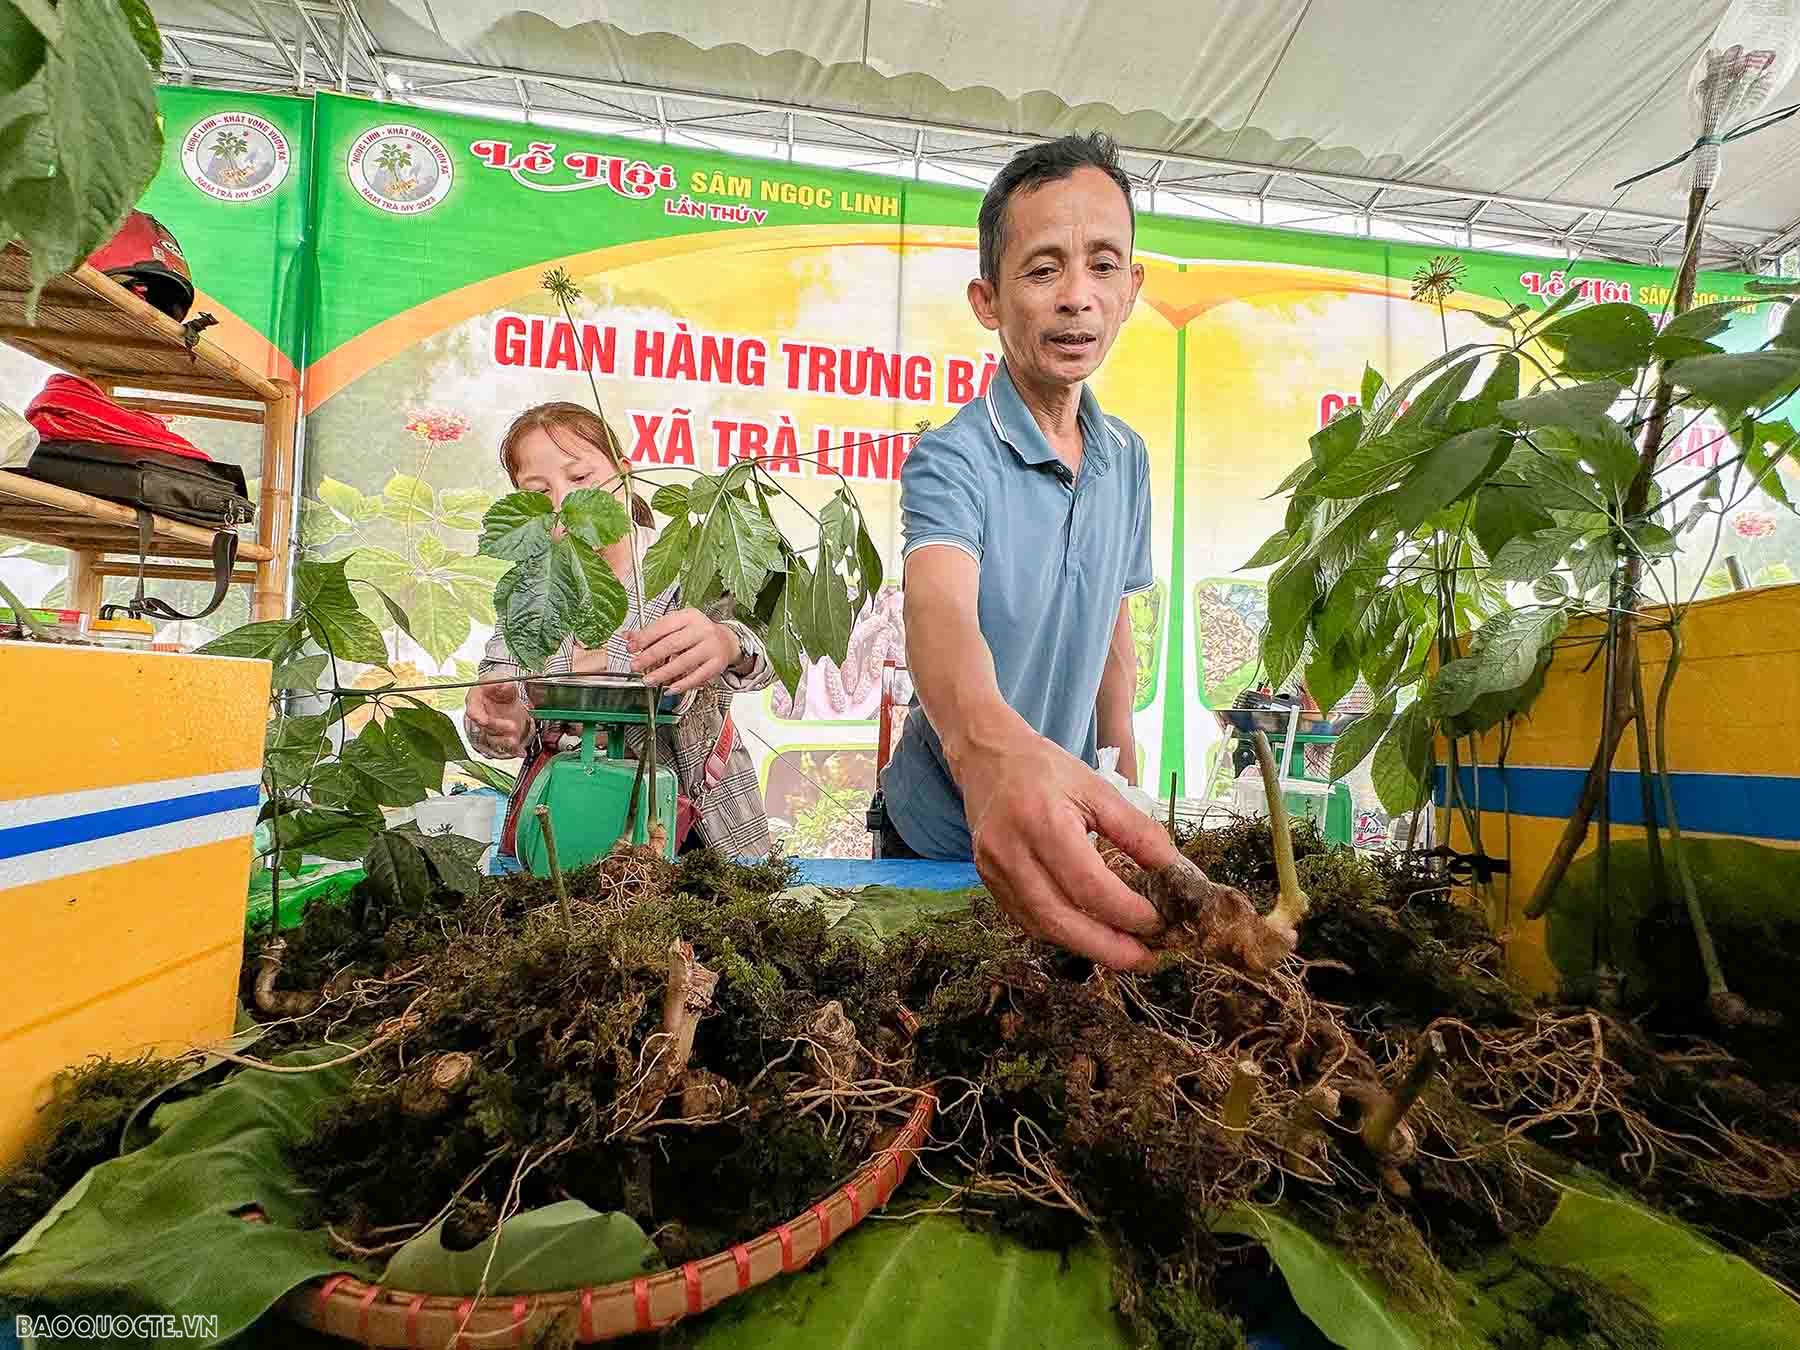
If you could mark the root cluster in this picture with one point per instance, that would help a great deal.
(712, 1059)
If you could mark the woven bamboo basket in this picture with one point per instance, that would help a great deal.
(374, 1315)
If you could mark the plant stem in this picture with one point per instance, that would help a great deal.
(1378, 1129)
(1618, 712)
(556, 873)
(1245, 1076)
(1291, 905)
(1709, 954)
(26, 619)
(1652, 835)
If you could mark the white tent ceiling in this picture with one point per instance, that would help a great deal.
(1463, 121)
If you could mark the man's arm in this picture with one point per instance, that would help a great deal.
(1118, 694)
(1030, 804)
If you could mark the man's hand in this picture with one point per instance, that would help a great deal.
(682, 650)
(498, 720)
(1030, 806)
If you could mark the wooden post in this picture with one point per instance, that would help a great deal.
(85, 583)
(275, 508)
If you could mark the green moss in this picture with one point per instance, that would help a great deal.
(81, 1127)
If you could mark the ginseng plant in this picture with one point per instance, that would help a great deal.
(1439, 547)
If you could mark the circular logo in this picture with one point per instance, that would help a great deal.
(235, 157)
(399, 169)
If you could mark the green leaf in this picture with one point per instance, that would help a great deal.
(408, 501)
(868, 562)
(151, 1231)
(1356, 740)
(1348, 600)
(702, 492)
(488, 776)
(1613, 457)
(319, 526)
(1591, 565)
(1501, 386)
(1581, 408)
(342, 836)
(428, 734)
(1343, 1302)
(787, 652)
(1402, 761)
(271, 640)
(1377, 462)
(1444, 475)
(79, 137)
(1555, 307)
(1652, 538)
(1372, 385)
(565, 1245)
(1703, 1297)
(340, 497)
(451, 858)
(431, 551)
(1789, 336)
(517, 527)
(1330, 674)
(1504, 510)
(1434, 404)
(671, 500)
(1702, 322)
(1765, 445)
(931, 1282)
(291, 746)
(1503, 321)
(586, 598)
(828, 620)
(322, 595)
(1337, 437)
(1379, 417)
(396, 870)
(667, 555)
(343, 789)
(1601, 339)
(300, 675)
(1503, 655)
(393, 775)
(395, 613)
(837, 525)
(1292, 594)
(743, 544)
(1557, 482)
(143, 30)
(1734, 381)
(595, 517)
(441, 617)
(1680, 348)
(1276, 547)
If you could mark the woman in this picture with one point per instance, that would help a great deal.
(555, 449)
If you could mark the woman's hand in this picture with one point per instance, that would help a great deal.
(682, 651)
(498, 720)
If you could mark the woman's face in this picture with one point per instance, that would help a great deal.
(557, 463)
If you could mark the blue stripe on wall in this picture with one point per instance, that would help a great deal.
(84, 829)
(1757, 806)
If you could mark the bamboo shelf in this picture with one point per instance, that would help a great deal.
(89, 325)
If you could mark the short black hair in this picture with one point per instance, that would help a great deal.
(1032, 167)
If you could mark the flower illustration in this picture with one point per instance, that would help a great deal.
(1753, 524)
(437, 428)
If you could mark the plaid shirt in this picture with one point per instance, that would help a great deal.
(729, 813)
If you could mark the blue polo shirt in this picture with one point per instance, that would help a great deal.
(1058, 552)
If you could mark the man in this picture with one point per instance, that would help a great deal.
(1027, 530)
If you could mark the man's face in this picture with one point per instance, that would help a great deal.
(1066, 279)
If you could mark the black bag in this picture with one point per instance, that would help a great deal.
(197, 491)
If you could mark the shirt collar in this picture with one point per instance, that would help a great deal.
(1014, 424)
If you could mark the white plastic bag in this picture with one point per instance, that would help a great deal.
(18, 438)
(1750, 55)
(1109, 770)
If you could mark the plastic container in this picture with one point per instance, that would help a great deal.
(130, 634)
(62, 623)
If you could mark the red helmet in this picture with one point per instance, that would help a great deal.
(144, 258)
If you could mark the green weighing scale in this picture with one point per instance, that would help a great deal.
(589, 790)
(1327, 805)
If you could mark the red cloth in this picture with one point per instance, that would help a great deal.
(69, 408)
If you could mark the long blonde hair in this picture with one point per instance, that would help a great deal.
(558, 419)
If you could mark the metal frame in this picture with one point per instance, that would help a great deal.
(306, 45)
